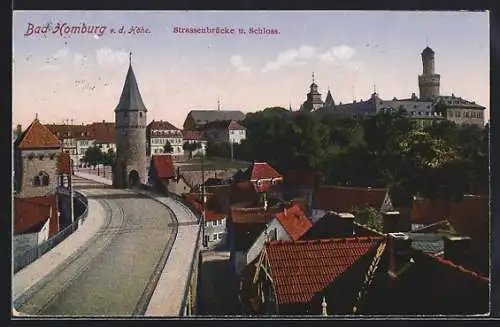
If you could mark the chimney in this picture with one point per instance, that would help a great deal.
(391, 222)
(457, 249)
(344, 224)
(400, 259)
(19, 129)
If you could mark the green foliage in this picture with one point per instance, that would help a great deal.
(167, 148)
(93, 156)
(371, 218)
(191, 146)
(384, 150)
(109, 157)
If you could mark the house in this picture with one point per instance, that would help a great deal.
(195, 119)
(226, 131)
(468, 218)
(290, 224)
(161, 172)
(301, 184)
(288, 275)
(215, 217)
(259, 182)
(76, 139)
(158, 133)
(194, 137)
(36, 153)
(243, 228)
(296, 277)
(104, 135)
(348, 199)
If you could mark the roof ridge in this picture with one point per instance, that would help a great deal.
(457, 266)
(330, 240)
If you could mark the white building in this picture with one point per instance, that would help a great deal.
(158, 133)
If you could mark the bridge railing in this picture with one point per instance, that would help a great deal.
(29, 256)
(185, 310)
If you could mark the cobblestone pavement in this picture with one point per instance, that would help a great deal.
(218, 288)
(109, 275)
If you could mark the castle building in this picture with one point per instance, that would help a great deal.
(429, 108)
(428, 82)
(130, 168)
(313, 101)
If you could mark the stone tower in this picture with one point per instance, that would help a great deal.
(428, 82)
(130, 118)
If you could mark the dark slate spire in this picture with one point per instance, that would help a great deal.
(427, 51)
(329, 100)
(131, 97)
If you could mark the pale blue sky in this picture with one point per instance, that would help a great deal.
(81, 76)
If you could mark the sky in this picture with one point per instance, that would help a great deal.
(78, 77)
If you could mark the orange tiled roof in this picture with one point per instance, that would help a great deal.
(344, 199)
(164, 166)
(262, 170)
(102, 132)
(252, 215)
(294, 221)
(38, 136)
(192, 135)
(29, 212)
(303, 268)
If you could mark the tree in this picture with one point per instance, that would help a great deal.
(93, 156)
(109, 157)
(370, 217)
(167, 148)
(191, 147)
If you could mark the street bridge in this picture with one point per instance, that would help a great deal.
(136, 254)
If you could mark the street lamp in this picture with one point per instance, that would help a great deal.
(203, 199)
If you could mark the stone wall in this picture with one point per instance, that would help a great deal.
(32, 165)
(194, 178)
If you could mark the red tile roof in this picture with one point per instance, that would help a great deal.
(104, 132)
(469, 217)
(164, 166)
(294, 221)
(211, 215)
(37, 136)
(252, 215)
(29, 212)
(162, 125)
(64, 163)
(458, 267)
(303, 268)
(262, 171)
(344, 199)
(66, 131)
(192, 135)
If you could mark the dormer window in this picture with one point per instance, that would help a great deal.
(41, 157)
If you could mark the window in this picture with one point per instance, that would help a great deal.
(207, 238)
(221, 235)
(52, 156)
(41, 157)
(42, 179)
(215, 222)
(140, 114)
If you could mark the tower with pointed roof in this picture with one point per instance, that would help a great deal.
(313, 101)
(429, 81)
(130, 119)
(329, 102)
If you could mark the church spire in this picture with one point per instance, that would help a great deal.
(130, 58)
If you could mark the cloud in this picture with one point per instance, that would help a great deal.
(50, 67)
(334, 54)
(306, 54)
(61, 53)
(106, 56)
(292, 57)
(80, 59)
(237, 61)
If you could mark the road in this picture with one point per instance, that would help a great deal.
(115, 272)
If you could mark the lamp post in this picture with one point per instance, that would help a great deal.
(204, 201)
(72, 205)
